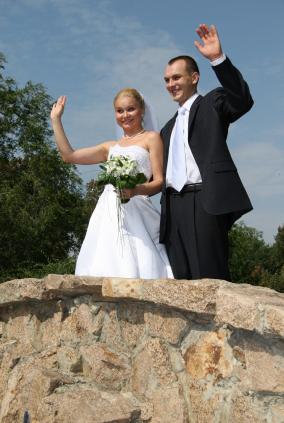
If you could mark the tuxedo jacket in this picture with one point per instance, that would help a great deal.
(208, 124)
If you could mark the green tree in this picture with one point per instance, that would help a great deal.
(273, 280)
(278, 250)
(255, 262)
(274, 276)
(249, 254)
(42, 217)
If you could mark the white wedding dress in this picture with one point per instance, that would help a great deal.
(131, 248)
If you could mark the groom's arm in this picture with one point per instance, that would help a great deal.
(235, 98)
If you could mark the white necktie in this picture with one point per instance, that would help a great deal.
(179, 176)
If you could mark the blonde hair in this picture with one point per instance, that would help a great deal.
(131, 92)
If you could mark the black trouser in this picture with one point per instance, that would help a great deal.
(196, 242)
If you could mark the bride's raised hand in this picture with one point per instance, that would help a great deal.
(58, 108)
(211, 45)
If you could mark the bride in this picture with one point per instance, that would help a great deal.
(127, 246)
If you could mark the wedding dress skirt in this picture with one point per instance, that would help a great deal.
(123, 240)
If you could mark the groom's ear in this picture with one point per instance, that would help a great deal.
(195, 77)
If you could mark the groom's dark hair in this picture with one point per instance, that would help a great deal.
(191, 64)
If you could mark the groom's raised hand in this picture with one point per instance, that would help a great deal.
(210, 46)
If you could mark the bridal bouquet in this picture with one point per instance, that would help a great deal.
(121, 172)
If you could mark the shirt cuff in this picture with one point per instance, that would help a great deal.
(218, 61)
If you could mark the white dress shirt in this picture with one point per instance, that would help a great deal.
(193, 175)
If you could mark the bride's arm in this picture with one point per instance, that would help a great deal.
(155, 146)
(88, 155)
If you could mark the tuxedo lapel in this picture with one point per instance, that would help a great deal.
(192, 114)
(167, 135)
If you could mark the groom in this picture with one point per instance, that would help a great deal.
(202, 194)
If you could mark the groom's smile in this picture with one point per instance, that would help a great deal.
(179, 82)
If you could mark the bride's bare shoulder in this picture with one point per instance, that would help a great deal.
(109, 144)
(152, 133)
(153, 137)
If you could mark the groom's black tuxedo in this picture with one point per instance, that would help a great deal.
(209, 119)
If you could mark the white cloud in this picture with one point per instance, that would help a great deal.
(112, 51)
(88, 38)
(119, 52)
(266, 221)
(269, 66)
(262, 166)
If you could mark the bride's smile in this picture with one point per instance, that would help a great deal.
(128, 114)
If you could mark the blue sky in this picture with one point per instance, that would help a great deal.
(89, 49)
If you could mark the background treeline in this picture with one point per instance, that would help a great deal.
(44, 207)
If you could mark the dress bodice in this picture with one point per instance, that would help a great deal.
(135, 152)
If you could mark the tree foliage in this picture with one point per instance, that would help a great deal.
(248, 253)
(42, 216)
(278, 250)
(255, 262)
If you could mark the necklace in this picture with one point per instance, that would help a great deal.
(135, 135)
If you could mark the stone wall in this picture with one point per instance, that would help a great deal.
(104, 350)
